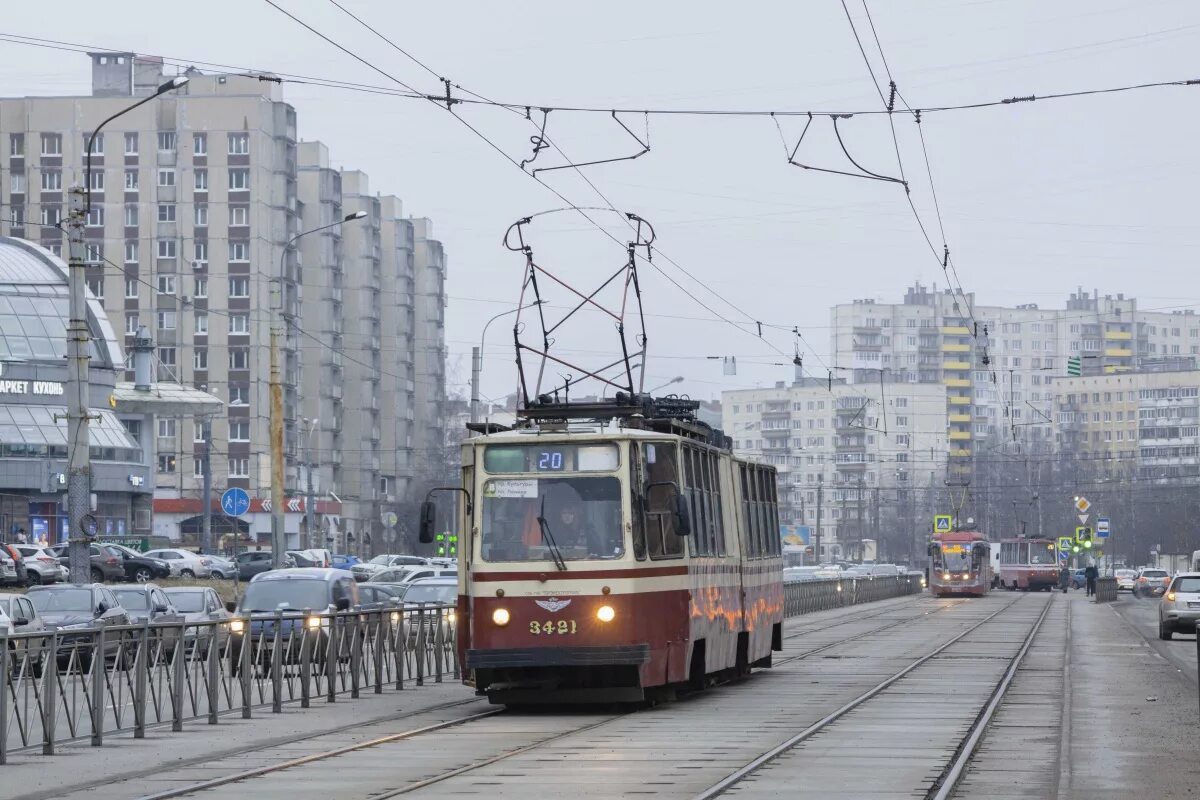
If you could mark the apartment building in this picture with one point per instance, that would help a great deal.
(400, 352)
(429, 326)
(843, 447)
(195, 198)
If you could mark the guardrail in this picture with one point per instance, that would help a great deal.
(807, 596)
(1106, 590)
(72, 684)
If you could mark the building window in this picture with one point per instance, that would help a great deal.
(131, 288)
(17, 183)
(166, 248)
(166, 428)
(131, 144)
(166, 212)
(200, 252)
(51, 144)
(198, 467)
(93, 252)
(166, 320)
(239, 358)
(16, 215)
(902, 422)
(131, 180)
(239, 179)
(166, 284)
(239, 467)
(166, 177)
(239, 323)
(201, 180)
(201, 215)
(239, 430)
(131, 216)
(239, 287)
(96, 287)
(200, 144)
(51, 180)
(131, 323)
(96, 180)
(199, 432)
(239, 251)
(201, 288)
(166, 141)
(237, 396)
(166, 357)
(239, 215)
(16, 145)
(51, 216)
(200, 358)
(201, 323)
(239, 144)
(166, 464)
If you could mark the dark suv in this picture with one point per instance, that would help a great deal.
(253, 563)
(105, 566)
(76, 610)
(138, 568)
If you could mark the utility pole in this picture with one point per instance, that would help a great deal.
(310, 512)
(859, 532)
(79, 467)
(476, 365)
(820, 487)
(206, 543)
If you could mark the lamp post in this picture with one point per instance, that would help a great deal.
(477, 357)
(309, 501)
(278, 537)
(676, 379)
(80, 524)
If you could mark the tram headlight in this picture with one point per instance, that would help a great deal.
(946, 576)
(500, 617)
(237, 626)
(966, 576)
(606, 614)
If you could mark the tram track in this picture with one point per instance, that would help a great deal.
(949, 775)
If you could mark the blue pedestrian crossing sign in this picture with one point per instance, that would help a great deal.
(941, 523)
(235, 502)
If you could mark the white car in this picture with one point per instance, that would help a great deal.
(221, 567)
(1126, 579)
(366, 570)
(6, 626)
(1179, 609)
(41, 565)
(184, 563)
(411, 572)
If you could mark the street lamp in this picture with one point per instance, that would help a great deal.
(676, 379)
(79, 463)
(309, 501)
(477, 357)
(278, 537)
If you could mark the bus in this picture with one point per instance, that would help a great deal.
(960, 564)
(613, 551)
(1028, 565)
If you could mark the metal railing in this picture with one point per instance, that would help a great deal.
(805, 597)
(1106, 590)
(78, 683)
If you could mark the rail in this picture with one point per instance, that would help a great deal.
(807, 596)
(1106, 590)
(73, 684)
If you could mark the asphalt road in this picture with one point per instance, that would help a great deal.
(1142, 614)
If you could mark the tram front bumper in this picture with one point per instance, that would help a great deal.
(518, 657)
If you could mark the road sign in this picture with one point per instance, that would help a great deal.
(1064, 555)
(1082, 504)
(235, 502)
(1074, 368)
(1064, 544)
(1083, 535)
(941, 523)
(1083, 518)
(389, 519)
(1102, 527)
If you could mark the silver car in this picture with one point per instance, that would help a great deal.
(203, 609)
(42, 565)
(1179, 609)
(184, 563)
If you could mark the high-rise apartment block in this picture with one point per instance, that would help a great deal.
(196, 199)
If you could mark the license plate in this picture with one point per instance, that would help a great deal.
(1193, 605)
(551, 627)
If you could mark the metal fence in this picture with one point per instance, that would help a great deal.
(73, 684)
(1106, 590)
(805, 597)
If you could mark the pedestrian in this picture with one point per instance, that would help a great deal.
(1090, 574)
(21, 538)
(1064, 578)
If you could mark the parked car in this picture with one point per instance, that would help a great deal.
(1078, 579)
(202, 608)
(1152, 582)
(345, 561)
(24, 618)
(1126, 579)
(374, 596)
(797, 574)
(146, 602)
(399, 576)
(75, 610)
(309, 558)
(377, 564)
(19, 560)
(436, 592)
(251, 564)
(139, 568)
(221, 567)
(104, 565)
(42, 565)
(8, 569)
(1179, 609)
(884, 570)
(184, 563)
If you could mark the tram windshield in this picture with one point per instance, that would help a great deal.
(538, 519)
(956, 557)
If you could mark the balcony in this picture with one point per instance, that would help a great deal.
(775, 412)
(950, 347)
(777, 432)
(957, 383)
(960, 436)
(960, 417)
(1118, 352)
(959, 400)
(1123, 336)
(956, 365)
(960, 452)
(956, 330)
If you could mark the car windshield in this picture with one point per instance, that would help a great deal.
(188, 602)
(62, 600)
(1125, 573)
(294, 593)
(132, 599)
(380, 560)
(445, 593)
(525, 518)
(1154, 573)
(125, 551)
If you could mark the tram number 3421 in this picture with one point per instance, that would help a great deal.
(550, 627)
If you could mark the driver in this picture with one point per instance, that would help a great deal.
(572, 530)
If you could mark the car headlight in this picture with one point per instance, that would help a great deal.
(313, 622)
(237, 626)
(500, 617)
(395, 617)
(1171, 596)
(605, 614)
(450, 616)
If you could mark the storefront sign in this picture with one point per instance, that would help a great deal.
(31, 387)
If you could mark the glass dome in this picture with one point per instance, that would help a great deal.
(34, 309)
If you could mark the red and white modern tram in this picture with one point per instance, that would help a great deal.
(612, 550)
(1028, 564)
(960, 563)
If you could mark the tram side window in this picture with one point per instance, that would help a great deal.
(776, 543)
(1023, 553)
(1008, 552)
(691, 490)
(750, 512)
(714, 465)
(661, 461)
(637, 504)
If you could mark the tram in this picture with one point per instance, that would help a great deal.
(612, 552)
(1028, 565)
(960, 564)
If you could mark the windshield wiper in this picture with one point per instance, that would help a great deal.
(548, 538)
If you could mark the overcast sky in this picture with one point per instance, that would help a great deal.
(1037, 198)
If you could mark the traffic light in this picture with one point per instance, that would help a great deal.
(1083, 537)
(447, 544)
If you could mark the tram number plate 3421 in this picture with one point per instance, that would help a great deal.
(562, 627)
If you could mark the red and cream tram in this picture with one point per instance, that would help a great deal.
(960, 563)
(1028, 564)
(610, 551)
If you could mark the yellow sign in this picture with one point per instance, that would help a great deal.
(1082, 504)
(941, 523)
